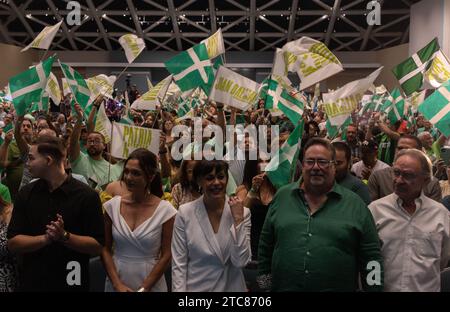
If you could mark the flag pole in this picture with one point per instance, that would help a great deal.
(110, 152)
(161, 104)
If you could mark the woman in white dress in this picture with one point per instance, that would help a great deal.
(211, 238)
(138, 229)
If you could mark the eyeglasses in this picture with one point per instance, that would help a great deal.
(409, 176)
(322, 163)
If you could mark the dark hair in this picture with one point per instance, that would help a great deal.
(51, 146)
(250, 171)
(149, 164)
(183, 176)
(203, 167)
(315, 125)
(413, 138)
(343, 147)
(95, 132)
(319, 141)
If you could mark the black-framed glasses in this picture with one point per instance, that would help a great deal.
(322, 163)
(409, 176)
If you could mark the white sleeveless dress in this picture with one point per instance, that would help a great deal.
(136, 252)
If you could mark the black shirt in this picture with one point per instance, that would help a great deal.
(35, 207)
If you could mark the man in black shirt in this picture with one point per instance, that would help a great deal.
(56, 224)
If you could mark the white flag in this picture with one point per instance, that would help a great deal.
(439, 71)
(128, 138)
(214, 44)
(44, 39)
(103, 124)
(149, 84)
(101, 84)
(311, 59)
(234, 90)
(53, 89)
(133, 46)
(66, 87)
(150, 99)
(341, 103)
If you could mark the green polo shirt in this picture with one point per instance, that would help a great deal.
(322, 252)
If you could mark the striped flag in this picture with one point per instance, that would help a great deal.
(410, 72)
(436, 108)
(28, 86)
(279, 97)
(191, 68)
(280, 169)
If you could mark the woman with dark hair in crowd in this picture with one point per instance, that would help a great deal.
(139, 225)
(211, 238)
(8, 268)
(186, 190)
(256, 191)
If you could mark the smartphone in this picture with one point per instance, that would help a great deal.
(445, 155)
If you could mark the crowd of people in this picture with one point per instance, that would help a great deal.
(367, 209)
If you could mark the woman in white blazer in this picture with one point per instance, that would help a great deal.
(211, 236)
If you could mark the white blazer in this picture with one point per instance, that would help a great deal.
(203, 261)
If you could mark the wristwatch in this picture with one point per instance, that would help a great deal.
(65, 237)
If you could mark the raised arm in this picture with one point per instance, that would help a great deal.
(74, 148)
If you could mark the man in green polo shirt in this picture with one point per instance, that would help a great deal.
(319, 236)
(97, 171)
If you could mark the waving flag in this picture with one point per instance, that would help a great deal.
(28, 86)
(436, 108)
(44, 39)
(150, 99)
(278, 97)
(78, 86)
(133, 46)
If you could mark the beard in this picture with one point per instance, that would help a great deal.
(94, 152)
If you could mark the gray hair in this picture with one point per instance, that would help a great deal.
(422, 134)
(425, 162)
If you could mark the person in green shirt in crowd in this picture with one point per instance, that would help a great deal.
(319, 236)
(97, 171)
(4, 193)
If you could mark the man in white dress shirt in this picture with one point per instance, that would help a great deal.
(414, 229)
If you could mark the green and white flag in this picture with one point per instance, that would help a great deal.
(127, 117)
(133, 46)
(151, 98)
(436, 108)
(127, 138)
(281, 167)
(214, 44)
(395, 107)
(439, 71)
(279, 97)
(103, 124)
(78, 86)
(53, 89)
(234, 89)
(28, 86)
(339, 104)
(366, 104)
(44, 39)
(191, 68)
(410, 72)
(333, 131)
(310, 59)
(40, 106)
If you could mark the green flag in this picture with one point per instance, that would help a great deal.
(333, 131)
(410, 72)
(78, 86)
(42, 105)
(28, 86)
(394, 106)
(278, 97)
(281, 167)
(191, 68)
(436, 108)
